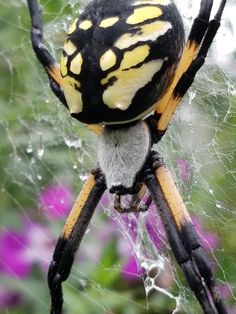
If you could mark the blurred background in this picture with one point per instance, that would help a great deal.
(124, 265)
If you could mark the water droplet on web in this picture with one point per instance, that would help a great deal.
(83, 176)
(211, 191)
(40, 152)
(73, 142)
(191, 97)
(218, 205)
(29, 176)
(148, 284)
(87, 231)
(29, 148)
(69, 18)
(80, 156)
(39, 177)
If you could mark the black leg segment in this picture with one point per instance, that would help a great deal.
(70, 239)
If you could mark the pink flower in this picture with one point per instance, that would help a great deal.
(209, 240)
(130, 270)
(154, 229)
(20, 250)
(184, 169)
(8, 298)
(12, 261)
(56, 201)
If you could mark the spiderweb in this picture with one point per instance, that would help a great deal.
(124, 264)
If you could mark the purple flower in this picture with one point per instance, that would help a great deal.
(12, 261)
(130, 270)
(39, 245)
(209, 240)
(154, 227)
(232, 310)
(20, 250)
(225, 291)
(8, 298)
(184, 169)
(56, 201)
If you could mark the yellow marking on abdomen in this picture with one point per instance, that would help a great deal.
(134, 57)
(107, 60)
(76, 64)
(73, 96)
(143, 14)
(63, 66)
(144, 33)
(85, 25)
(69, 48)
(109, 21)
(72, 28)
(172, 196)
(161, 2)
(120, 94)
(78, 205)
(130, 58)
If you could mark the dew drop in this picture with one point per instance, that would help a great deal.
(80, 156)
(73, 142)
(83, 176)
(29, 148)
(218, 205)
(39, 177)
(211, 191)
(40, 152)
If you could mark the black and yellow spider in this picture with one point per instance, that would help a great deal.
(124, 69)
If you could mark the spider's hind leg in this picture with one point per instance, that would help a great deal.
(71, 236)
(183, 239)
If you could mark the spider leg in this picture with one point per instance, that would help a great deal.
(193, 57)
(71, 236)
(51, 67)
(134, 205)
(183, 239)
(43, 55)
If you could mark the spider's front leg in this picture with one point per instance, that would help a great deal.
(71, 236)
(183, 239)
(45, 58)
(50, 65)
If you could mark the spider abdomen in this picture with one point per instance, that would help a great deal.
(122, 153)
(119, 59)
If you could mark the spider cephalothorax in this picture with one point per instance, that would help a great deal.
(122, 153)
(123, 60)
